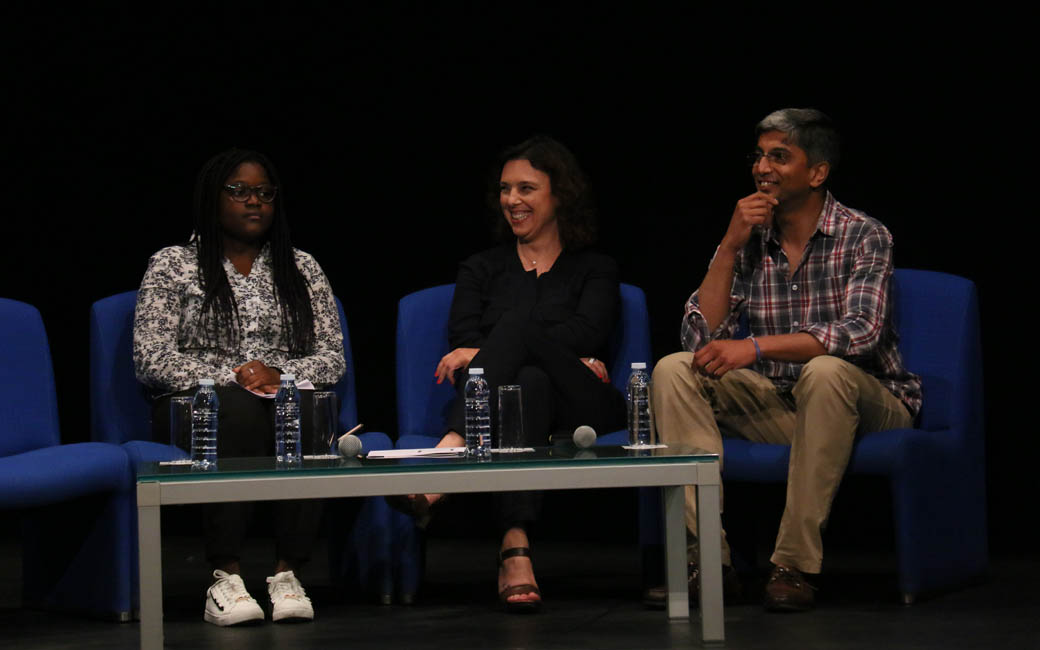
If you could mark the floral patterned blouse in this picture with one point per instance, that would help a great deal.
(172, 352)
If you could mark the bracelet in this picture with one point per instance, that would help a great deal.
(758, 350)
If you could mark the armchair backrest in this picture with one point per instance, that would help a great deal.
(630, 341)
(937, 317)
(119, 406)
(28, 403)
(345, 388)
(120, 410)
(422, 339)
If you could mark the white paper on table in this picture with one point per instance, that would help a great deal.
(429, 452)
(638, 447)
(306, 384)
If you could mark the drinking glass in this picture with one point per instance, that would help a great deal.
(180, 423)
(510, 419)
(322, 435)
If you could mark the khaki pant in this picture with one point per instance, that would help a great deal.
(833, 401)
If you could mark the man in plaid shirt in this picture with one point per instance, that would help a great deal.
(813, 279)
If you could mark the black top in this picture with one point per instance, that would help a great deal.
(576, 301)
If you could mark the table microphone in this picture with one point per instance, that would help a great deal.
(349, 445)
(584, 436)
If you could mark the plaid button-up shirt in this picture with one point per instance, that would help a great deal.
(840, 294)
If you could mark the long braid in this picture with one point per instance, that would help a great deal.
(291, 290)
(219, 317)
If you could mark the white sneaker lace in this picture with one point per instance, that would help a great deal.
(286, 585)
(231, 587)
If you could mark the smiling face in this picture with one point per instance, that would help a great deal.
(783, 170)
(246, 221)
(528, 204)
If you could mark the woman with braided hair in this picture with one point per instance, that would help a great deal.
(238, 304)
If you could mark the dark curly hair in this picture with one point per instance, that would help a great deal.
(219, 315)
(575, 214)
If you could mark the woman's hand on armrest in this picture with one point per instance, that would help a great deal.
(454, 360)
(598, 367)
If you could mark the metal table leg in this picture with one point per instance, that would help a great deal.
(709, 529)
(149, 540)
(674, 500)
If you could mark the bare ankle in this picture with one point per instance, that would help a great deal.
(231, 568)
(515, 537)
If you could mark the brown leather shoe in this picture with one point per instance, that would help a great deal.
(657, 597)
(787, 591)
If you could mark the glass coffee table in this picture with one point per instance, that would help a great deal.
(550, 468)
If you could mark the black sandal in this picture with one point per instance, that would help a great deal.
(518, 606)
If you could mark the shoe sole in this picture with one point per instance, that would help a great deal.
(521, 607)
(787, 608)
(224, 622)
(292, 616)
(293, 619)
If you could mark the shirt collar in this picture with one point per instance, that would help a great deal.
(262, 263)
(826, 224)
(828, 221)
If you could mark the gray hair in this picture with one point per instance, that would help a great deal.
(807, 128)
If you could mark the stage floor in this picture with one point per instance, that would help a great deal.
(586, 607)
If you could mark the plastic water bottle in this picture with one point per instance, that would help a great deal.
(639, 405)
(478, 416)
(204, 409)
(287, 422)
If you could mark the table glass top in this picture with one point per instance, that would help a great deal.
(231, 468)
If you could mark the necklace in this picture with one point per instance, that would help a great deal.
(526, 260)
(532, 263)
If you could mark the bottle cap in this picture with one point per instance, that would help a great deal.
(288, 377)
(638, 365)
(205, 382)
(476, 371)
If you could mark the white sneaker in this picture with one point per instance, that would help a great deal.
(228, 602)
(289, 602)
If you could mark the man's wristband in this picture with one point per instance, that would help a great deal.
(758, 350)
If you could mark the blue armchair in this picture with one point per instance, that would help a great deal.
(121, 414)
(422, 404)
(75, 501)
(937, 469)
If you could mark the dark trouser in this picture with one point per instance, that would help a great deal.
(558, 394)
(245, 428)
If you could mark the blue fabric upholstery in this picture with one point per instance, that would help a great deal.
(121, 414)
(422, 404)
(72, 499)
(27, 479)
(937, 470)
(120, 411)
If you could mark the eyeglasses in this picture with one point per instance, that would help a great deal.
(775, 157)
(241, 192)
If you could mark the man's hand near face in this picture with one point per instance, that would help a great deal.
(753, 210)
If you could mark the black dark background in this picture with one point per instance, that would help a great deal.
(383, 120)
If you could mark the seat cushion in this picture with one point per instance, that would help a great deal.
(53, 474)
(743, 460)
(145, 451)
